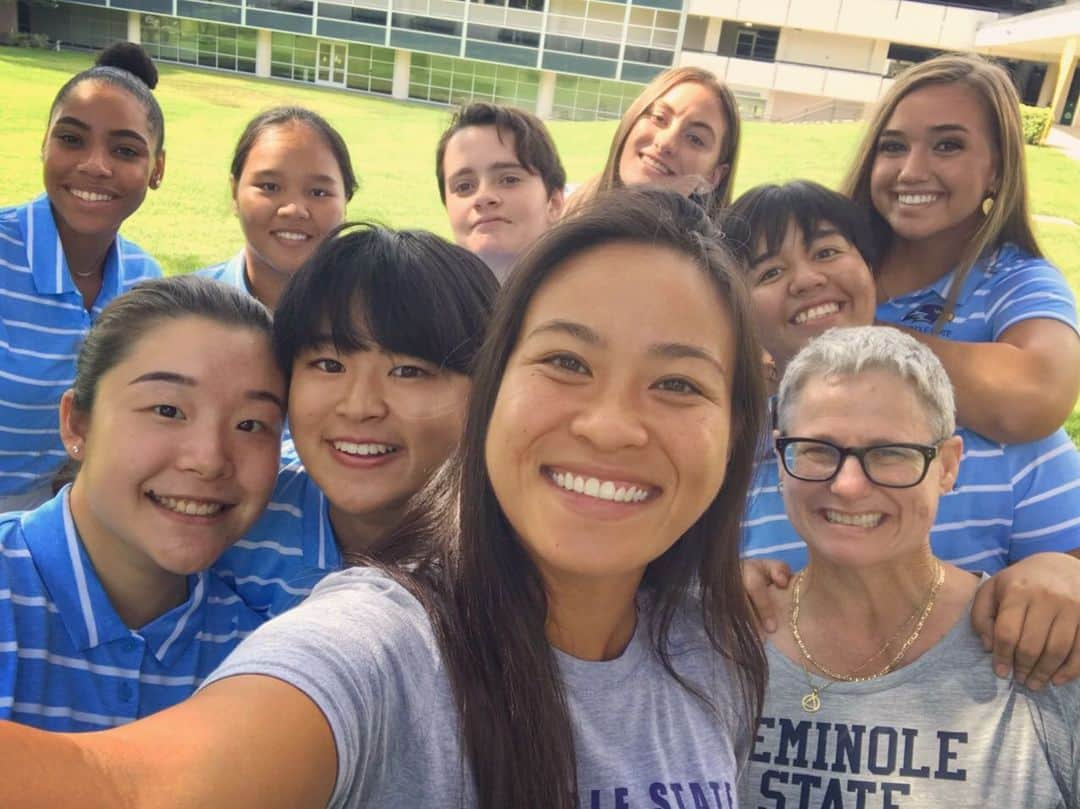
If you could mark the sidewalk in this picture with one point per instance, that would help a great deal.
(1065, 138)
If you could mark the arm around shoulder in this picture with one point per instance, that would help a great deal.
(244, 741)
(1018, 389)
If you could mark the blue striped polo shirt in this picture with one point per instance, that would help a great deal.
(67, 661)
(1010, 501)
(43, 320)
(1001, 290)
(232, 272)
(275, 565)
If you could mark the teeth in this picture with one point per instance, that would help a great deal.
(600, 489)
(656, 164)
(192, 508)
(289, 235)
(916, 199)
(859, 520)
(349, 448)
(815, 312)
(90, 196)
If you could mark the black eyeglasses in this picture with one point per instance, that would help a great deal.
(897, 466)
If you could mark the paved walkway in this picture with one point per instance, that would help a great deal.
(1065, 138)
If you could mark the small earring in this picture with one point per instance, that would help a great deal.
(74, 449)
(988, 205)
(155, 182)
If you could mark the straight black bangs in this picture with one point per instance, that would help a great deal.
(762, 216)
(409, 291)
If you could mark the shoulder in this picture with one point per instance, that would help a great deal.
(138, 264)
(355, 611)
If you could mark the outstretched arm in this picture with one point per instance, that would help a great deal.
(245, 741)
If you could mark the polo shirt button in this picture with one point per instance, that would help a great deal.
(127, 693)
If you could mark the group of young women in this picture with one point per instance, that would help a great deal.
(536, 491)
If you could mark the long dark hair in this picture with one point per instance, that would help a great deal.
(485, 596)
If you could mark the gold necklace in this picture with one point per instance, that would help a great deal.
(811, 702)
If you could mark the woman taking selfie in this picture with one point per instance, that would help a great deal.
(579, 634)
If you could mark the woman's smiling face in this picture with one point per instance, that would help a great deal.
(610, 432)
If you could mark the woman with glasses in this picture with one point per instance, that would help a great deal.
(879, 690)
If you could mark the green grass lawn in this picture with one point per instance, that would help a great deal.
(188, 223)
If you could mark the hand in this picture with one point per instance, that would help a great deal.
(758, 575)
(687, 184)
(1029, 616)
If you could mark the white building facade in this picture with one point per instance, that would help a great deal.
(786, 60)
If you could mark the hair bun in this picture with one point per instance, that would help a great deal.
(132, 58)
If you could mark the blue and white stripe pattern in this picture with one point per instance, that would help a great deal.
(67, 661)
(43, 320)
(288, 551)
(1010, 501)
(999, 292)
(232, 272)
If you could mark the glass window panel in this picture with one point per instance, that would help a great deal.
(245, 65)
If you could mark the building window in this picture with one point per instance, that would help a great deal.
(292, 6)
(527, 5)
(448, 80)
(757, 43)
(293, 56)
(582, 99)
(429, 25)
(352, 14)
(505, 36)
(207, 44)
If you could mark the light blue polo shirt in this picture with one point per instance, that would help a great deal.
(1000, 291)
(43, 320)
(1010, 501)
(67, 661)
(288, 551)
(229, 272)
(232, 272)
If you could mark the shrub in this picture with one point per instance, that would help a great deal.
(1036, 122)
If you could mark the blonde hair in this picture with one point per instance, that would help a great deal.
(719, 197)
(1008, 219)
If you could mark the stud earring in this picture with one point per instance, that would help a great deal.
(987, 205)
(74, 449)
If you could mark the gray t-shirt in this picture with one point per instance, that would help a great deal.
(362, 649)
(941, 732)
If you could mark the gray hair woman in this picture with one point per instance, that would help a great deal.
(879, 690)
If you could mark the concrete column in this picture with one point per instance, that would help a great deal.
(402, 66)
(545, 95)
(1046, 93)
(134, 20)
(1066, 67)
(262, 52)
(712, 34)
(879, 57)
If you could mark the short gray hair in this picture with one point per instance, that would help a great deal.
(850, 351)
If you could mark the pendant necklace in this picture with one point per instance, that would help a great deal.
(811, 701)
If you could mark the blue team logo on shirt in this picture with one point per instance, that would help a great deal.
(927, 313)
